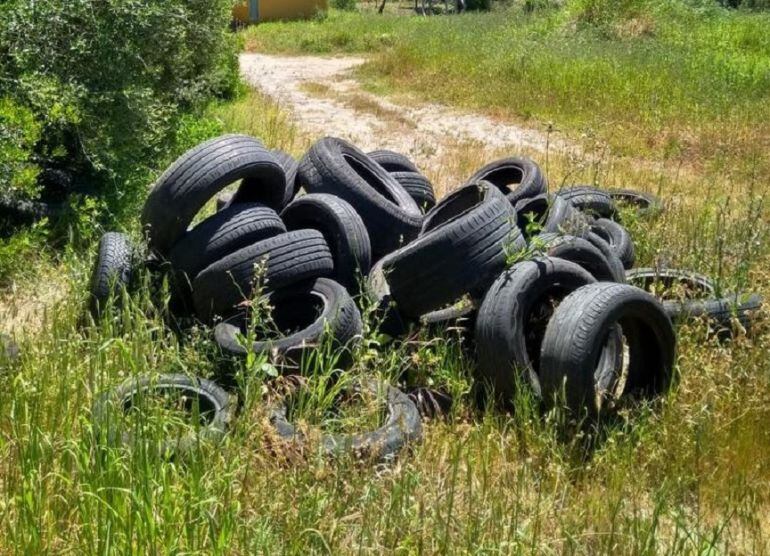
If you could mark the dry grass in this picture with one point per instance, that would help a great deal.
(688, 474)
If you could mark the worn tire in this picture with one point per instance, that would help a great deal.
(461, 249)
(418, 187)
(402, 428)
(212, 399)
(507, 341)
(602, 245)
(577, 336)
(517, 177)
(391, 216)
(719, 310)
(309, 310)
(581, 252)
(112, 270)
(290, 258)
(618, 238)
(589, 199)
(646, 278)
(225, 232)
(393, 161)
(552, 214)
(343, 229)
(645, 203)
(432, 404)
(290, 167)
(199, 174)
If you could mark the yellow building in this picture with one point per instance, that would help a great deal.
(253, 11)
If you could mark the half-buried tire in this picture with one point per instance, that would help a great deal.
(112, 271)
(402, 426)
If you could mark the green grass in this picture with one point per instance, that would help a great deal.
(685, 475)
(656, 79)
(689, 474)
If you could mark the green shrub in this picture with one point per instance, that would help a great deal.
(19, 133)
(478, 4)
(100, 86)
(748, 4)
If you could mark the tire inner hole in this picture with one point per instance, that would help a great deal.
(456, 205)
(172, 406)
(507, 177)
(369, 177)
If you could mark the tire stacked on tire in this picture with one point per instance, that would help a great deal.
(541, 282)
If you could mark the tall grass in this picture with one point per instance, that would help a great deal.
(661, 79)
(687, 474)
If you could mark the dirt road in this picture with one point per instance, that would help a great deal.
(324, 98)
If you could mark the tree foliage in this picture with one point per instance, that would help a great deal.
(97, 87)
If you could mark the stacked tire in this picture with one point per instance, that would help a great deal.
(544, 282)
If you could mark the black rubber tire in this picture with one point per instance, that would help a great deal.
(199, 174)
(461, 250)
(112, 271)
(602, 245)
(343, 229)
(393, 161)
(290, 167)
(646, 278)
(402, 428)
(581, 252)
(507, 341)
(618, 238)
(647, 204)
(225, 232)
(721, 311)
(18, 212)
(216, 400)
(589, 199)
(553, 215)
(338, 315)
(432, 404)
(517, 177)
(387, 319)
(418, 187)
(290, 258)
(576, 338)
(391, 216)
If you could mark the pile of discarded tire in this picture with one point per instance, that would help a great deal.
(540, 280)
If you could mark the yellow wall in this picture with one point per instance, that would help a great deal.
(279, 9)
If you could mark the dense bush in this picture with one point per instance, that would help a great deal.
(478, 4)
(94, 89)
